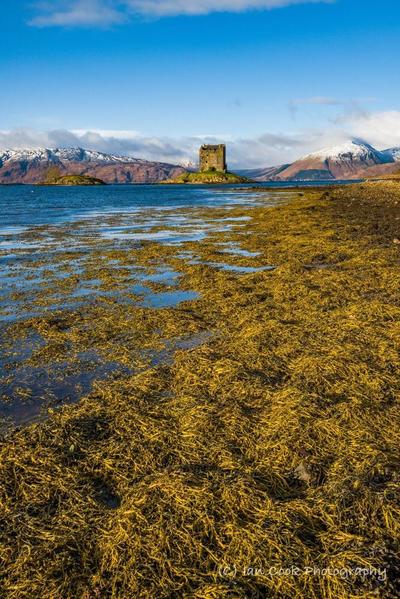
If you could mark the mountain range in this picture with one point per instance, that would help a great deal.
(354, 159)
(32, 166)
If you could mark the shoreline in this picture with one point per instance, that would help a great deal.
(272, 444)
(303, 184)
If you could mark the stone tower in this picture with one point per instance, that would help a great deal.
(213, 158)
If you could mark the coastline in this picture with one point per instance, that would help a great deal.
(272, 435)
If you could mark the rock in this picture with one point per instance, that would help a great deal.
(303, 473)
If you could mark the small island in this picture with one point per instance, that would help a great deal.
(54, 177)
(210, 177)
(213, 170)
(74, 180)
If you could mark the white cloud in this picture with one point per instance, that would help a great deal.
(381, 129)
(81, 13)
(109, 12)
(202, 7)
(264, 150)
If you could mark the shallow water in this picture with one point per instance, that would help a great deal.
(42, 223)
(66, 249)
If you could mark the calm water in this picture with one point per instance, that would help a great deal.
(28, 205)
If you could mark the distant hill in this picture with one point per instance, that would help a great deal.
(32, 166)
(263, 174)
(354, 159)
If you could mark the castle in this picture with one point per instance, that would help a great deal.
(213, 158)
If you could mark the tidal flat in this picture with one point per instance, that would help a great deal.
(204, 403)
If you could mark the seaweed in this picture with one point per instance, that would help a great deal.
(243, 462)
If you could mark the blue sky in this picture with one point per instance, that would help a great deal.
(272, 78)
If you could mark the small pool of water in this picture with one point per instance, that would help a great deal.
(169, 299)
(239, 269)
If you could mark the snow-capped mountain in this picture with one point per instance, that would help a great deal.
(60, 154)
(355, 159)
(32, 165)
(351, 151)
(393, 153)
